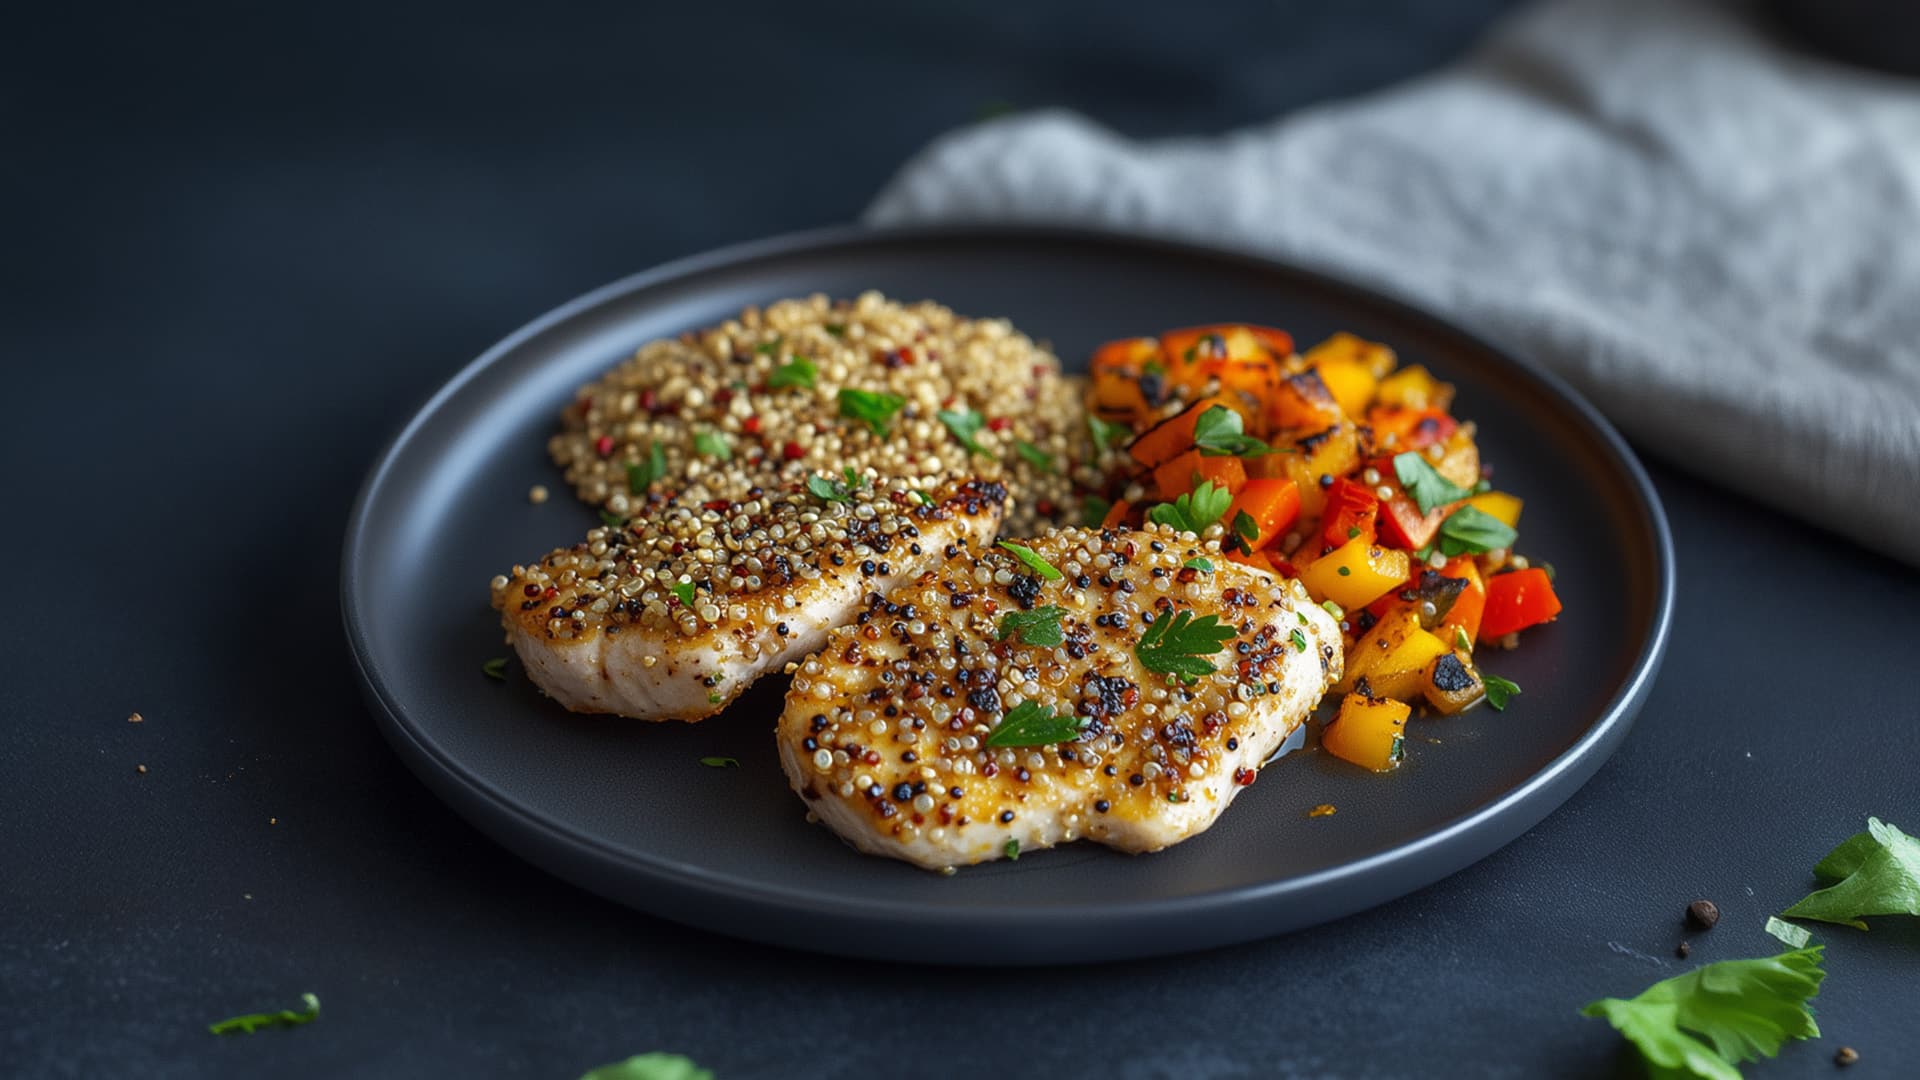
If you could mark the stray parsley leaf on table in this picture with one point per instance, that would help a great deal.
(720, 762)
(1033, 724)
(495, 668)
(1033, 560)
(1195, 510)
(1179, 644)
(1218, 433)
(870, 407)
(1876, 872)
(252, 1022)
(1427, 487)
(1499, 690)
(965, 424)
(1736, 1010)
(1041, 626)
(651, 1067)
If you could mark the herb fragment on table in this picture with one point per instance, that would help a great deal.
(1796, 937)
(1105, 432)
(1708, 1021)
(713, 444)
(495, 668)
(655, 1066)
(720, 762)
(1041, 626)
(1470, 531)
(1499, 690)
(1093, 511)
(1033, 561)
(252, 1022)
(1179, 644)
(641, 475)
(1033, 724)
(798, 371)
(1034, 456)
(1876, 872)
(964, 424)
(1424, 483)
(1195, 510)
(683, 592)
(870, 407)
(1219, 433)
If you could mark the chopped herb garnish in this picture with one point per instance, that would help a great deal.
(1105, 432)
(1195, 510)
(1428, 488)
(1470, 530)
(1333, 609)
(1153, 367)
(495, 668)
(1796, 937)
(1012, 850)
(1343, 571)
(798, 371)
(611, 520)
(714, 697)
(1093, 511)
(1460, 639)
(767, 348)
(1203, 565)
(1245, 530)
(651, 1067)
(1034, 456)
(965, 424)
(1551, 573)
(1708, 1021)
(836, 490)
(713, 444)
(1352, 532)
(1876, 872)
(720, 762)
(921, 497)
(1033, 724)
(1299, 640)
(641, 475)
(836, 329)
(1218, 433)
(870, 407)
(1034, 562)
(1499, 690)
(683, 591)
(252, 1022)
(1178, 644)
(1041, 626)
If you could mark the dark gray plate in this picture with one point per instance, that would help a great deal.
(627, 810)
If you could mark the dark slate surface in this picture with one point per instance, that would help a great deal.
(243, 246)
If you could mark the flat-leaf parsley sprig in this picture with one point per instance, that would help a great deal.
(1179, 644)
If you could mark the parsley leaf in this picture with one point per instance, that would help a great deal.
(796, 372)
(840, 491)
(1461, 641)
(1194, 511)
(1041, 626)
(642, 474)
(1471, 529)
(1033, 724)
(965, 424)
(1499, 690)
(1012, 850)
(836, 329)
(251, 1022)
(767, 348)
(1034, 456)
(713, 444)
(1178, 644)
(1736, 1010)
(720, 762)
(683, 590)
(1218, 433)
(1105, 432)
(611, 520)
(1876, 872)
(1299, 640)
(651, 1067)
(921, 497)
(1093, 511)
(1428, 488)
(870, 407)
(1205, 566)
(1034, 562)
(495, 668)
(1245, 531)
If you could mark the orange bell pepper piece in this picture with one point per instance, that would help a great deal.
(1472, 601)
(1184, 473)
(1273, 505)
(1171, 437)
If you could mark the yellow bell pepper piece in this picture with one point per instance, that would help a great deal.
(1416, 388)
(1367, 731)
(1356, 573)
(1499, 504)
(1350, 383)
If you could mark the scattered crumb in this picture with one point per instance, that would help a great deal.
(1325, 809)
(273, 821)
(1683, 950)
(246, 896)
(1846, 1055)
(135, 718)
(141, 769)
(537, 494)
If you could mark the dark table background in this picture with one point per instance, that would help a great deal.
(242, 246)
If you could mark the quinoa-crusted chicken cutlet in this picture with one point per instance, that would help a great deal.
(670, 616)
(761, 475)
(1111, 685)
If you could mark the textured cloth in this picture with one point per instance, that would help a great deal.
(1715, 237)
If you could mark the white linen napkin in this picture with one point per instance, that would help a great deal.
(1715, 237)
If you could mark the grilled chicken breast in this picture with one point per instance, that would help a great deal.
(673, 614)
(920, 731)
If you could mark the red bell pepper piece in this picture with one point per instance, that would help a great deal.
(1352, 511)
(1517, 600)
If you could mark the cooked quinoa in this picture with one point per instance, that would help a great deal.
(755, 405)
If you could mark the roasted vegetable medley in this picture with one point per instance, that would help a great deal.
(1347, 471)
